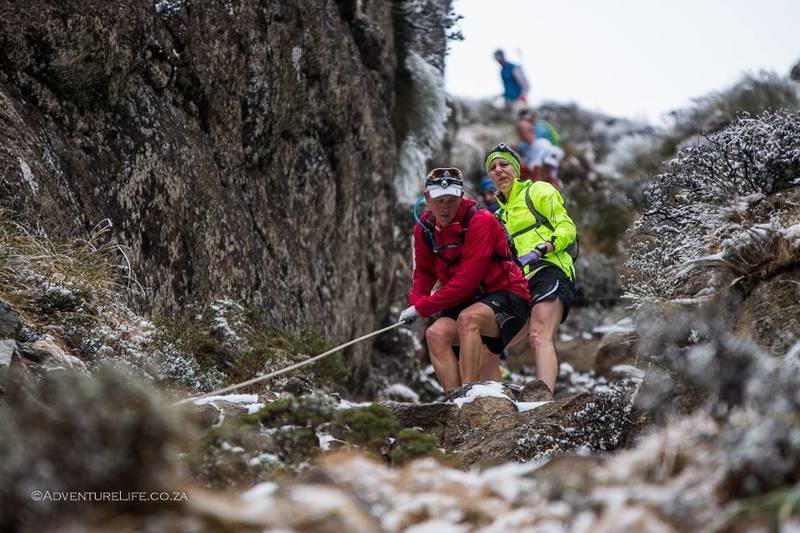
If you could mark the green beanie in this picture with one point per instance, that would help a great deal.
(508, 156)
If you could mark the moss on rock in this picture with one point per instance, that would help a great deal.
(307, 411)
(369, 426)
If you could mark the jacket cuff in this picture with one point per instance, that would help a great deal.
(422, 308)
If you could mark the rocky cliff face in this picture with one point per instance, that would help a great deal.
(239, 148)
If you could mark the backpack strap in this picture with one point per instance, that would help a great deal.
(572, 248)
(427, 221)
(541, 220)
(466, 219)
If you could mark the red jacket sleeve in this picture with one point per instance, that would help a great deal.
(476, 254)
(424, 268)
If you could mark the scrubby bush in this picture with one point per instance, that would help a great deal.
(413, 444)
(753, 94)
(370, 425)
(754, 397)
(43, 276)
(687, 211)
(228, 340)
(69, 432)
(307, 411)
(636, 157)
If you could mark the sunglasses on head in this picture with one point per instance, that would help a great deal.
(503, 147)
(444, 177)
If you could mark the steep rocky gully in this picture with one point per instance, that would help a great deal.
(195, 193)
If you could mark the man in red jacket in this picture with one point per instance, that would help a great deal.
(484, 296)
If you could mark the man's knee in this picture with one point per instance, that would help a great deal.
(438, 336)
(468, 322)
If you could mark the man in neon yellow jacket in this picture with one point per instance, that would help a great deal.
(543, 234)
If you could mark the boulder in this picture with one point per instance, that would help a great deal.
(441, 419)
(766, 313)
(490, 410)
(8, 348)
(51, 354)
(616, 348)
(206, 415)
(9, 320)
(597, 422)
(536, 391)
(579, 353)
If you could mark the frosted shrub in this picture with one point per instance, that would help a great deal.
(687, 207)
(70, 432)
(753, 396)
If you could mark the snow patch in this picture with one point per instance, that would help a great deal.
(253, 408)
(347, 404)
(27, 175)
(402, 391)
(427, 118)
(297, 54)
(628, 370)
(263, 459)
(325, 440)
(527, 406)
(490, 390)
(625, 325)
(167, 7)
(233, 398)
(258, 492)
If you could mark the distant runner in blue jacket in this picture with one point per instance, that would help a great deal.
(515, 86)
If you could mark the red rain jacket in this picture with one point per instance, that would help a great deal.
(472, 271)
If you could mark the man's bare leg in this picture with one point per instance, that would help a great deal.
(545, 319)
(474, 321)
(441, 337)
(490, 369)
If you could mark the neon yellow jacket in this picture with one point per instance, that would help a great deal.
(527, 232)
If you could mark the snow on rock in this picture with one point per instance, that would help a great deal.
(624, 325)
(232, 398)
(347, 404)
(27, 175)
(263, 459)
(325, 440)
(254, 408)
(427, 118)
(258, 492)
(7, 349)
(527, 406)
(400, 392)
(628, 370)
(167, 7)
(494, 390)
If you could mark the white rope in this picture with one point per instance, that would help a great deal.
(288, 368)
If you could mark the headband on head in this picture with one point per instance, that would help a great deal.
(503, 154)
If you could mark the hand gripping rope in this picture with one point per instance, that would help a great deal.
(289, 368)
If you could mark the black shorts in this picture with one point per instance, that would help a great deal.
(510, 311)
(550, 283)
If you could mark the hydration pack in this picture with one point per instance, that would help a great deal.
(428, 223)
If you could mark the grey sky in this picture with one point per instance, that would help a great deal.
(624, 57)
